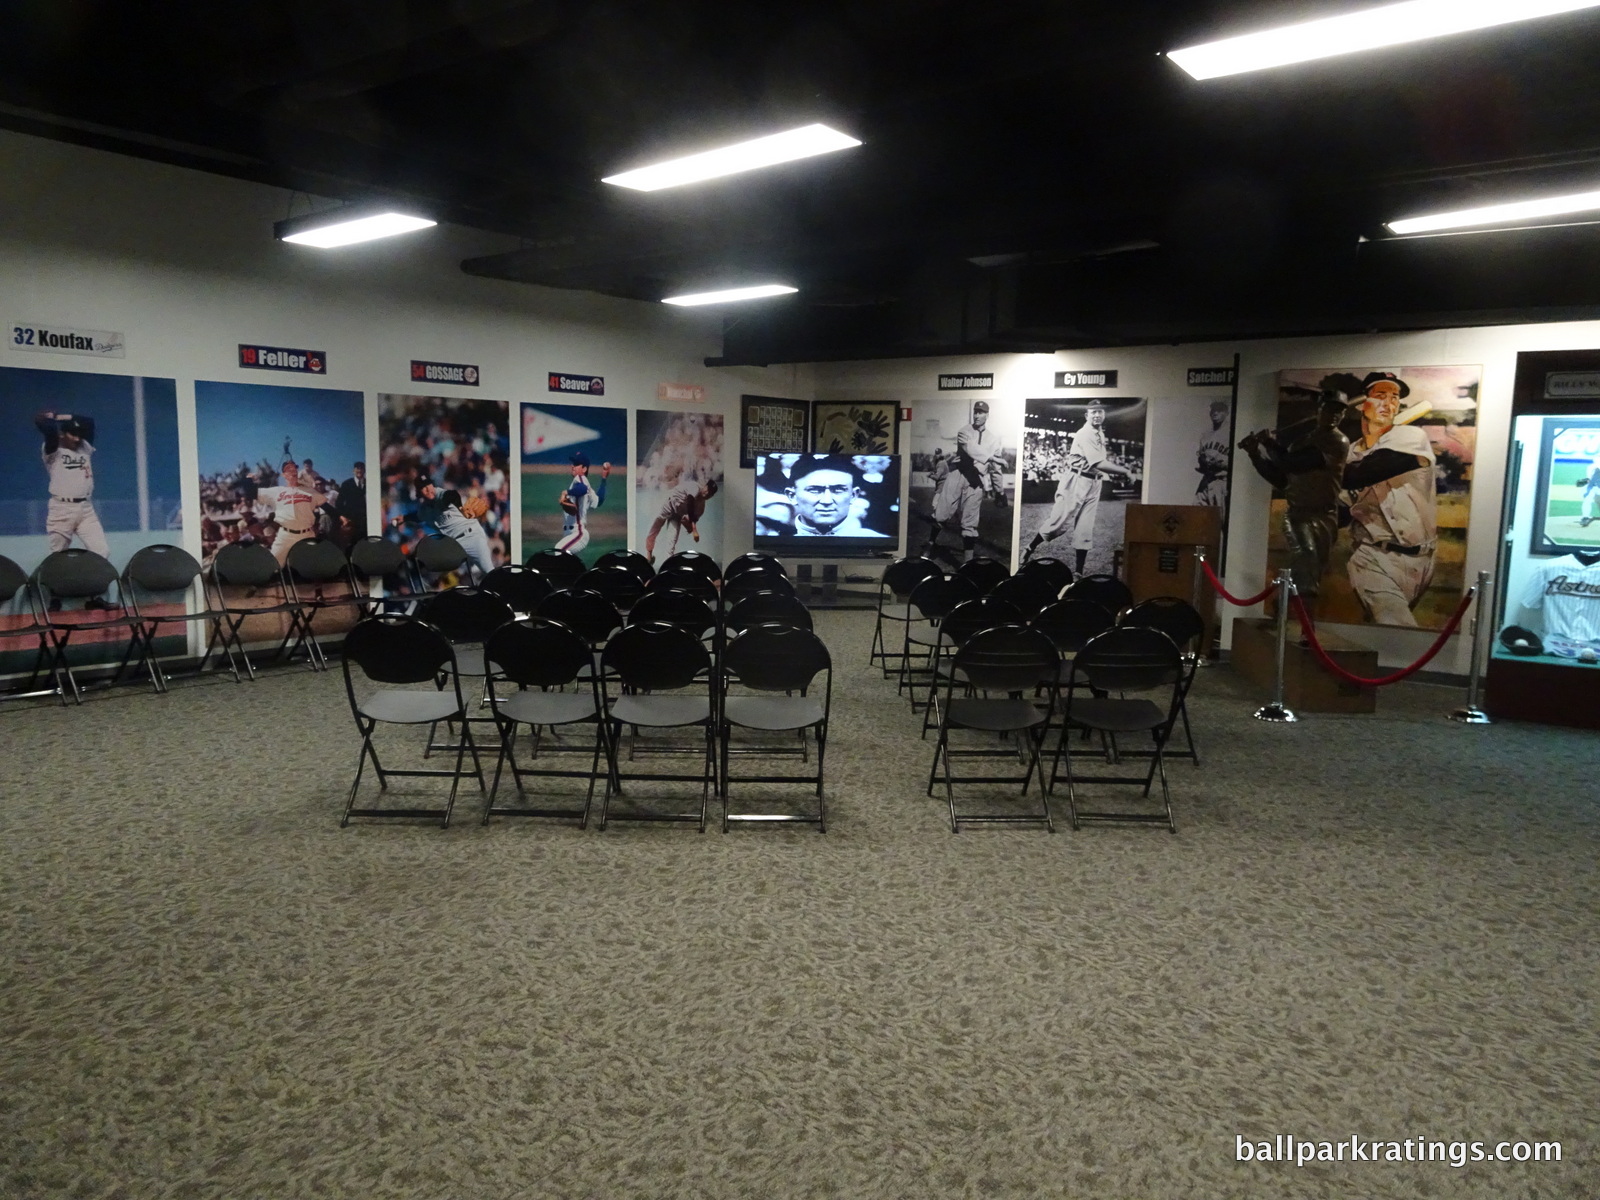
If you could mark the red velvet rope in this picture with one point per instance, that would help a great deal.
(1229, 596)
(1327, 661)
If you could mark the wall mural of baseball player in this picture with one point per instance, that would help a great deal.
(89, 461)
(574, 479)
(1400, 552)
(679, 478)
(445, 463)
(963, 479)
(1188, 457)
(1082, 464)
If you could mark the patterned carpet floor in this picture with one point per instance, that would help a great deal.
(1372, 927)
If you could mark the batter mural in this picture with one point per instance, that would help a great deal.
(680, 475)
(574, 479)
(444, 472)
(1372, 476)
(89, 461)
(963, 479)
(1082, 464)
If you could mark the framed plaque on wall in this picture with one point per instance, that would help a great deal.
(771, 425)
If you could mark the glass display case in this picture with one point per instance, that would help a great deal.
(1544, 659)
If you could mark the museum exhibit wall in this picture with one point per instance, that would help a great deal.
(183, 268)
(1160, 376)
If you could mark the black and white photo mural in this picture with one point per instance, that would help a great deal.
(1082, 464)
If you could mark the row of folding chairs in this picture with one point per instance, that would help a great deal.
(647, 679)
(1005, 681)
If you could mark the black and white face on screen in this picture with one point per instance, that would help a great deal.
(851, 500)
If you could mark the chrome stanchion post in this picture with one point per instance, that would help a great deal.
(1278, 710)
(1198, 590)
(1472, 714)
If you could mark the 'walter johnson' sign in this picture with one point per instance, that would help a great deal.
(58, 339)
(437, 372)
(963, 383)
(280, 358)
(589, 385)
(1086, 379)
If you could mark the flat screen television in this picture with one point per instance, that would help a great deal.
(827, 505)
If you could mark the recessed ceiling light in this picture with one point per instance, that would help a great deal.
(731, 294)
(745, 156)
(1390, 25)
(341, 227)
(1500, 214)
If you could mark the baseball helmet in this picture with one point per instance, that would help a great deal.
(580, 459)
(70, 425)
(1385, 377)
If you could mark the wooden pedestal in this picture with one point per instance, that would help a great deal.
(1161, 542)
(1307, 686)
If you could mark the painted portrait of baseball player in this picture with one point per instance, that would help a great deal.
(963, 479)
(679, 476)
(88, 461)
(574, 479)
(1082, 463)
(1399, 555)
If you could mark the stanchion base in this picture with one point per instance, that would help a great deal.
(1274, 712)
(1470, 716)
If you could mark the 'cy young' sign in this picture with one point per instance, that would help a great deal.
(1086, 379)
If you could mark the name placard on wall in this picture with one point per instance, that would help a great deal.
(1086, 379)
(589, 385)
(59, 339)
(465, 374)
(966, 383)
(1210, 377)
(282, 358)
(691, 393)
(1576, 384)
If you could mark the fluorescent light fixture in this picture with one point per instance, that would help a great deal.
(1500, 214)
(343, 227)
(745, 156)
(732, 294)
(1370, 29)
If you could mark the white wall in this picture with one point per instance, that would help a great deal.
(184, 264)
(1158, 372)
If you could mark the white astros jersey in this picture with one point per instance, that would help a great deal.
(71, 475)
(293, 507)
(1402, 510)
(1568, 593)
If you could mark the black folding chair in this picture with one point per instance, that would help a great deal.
(467, 616)
(677, 608)
(657, 677)
(985, 573)
(560, 567)
(249, 566)
(319, 567)
(1070, 622)
(1018, 663)
(957, 628)
(631, 560)
(542, 655)
(76, 582)
(684, 577)
(167, 571)
(695, 560)
(1052, 572)
(768, 608)
(750, 560)
(588, 614)
(930, 601)
(1181, 622)
(894, 604)
(620, 585)
(1105, 590)
(766, 660)
(1031, 594)
(14, 582)
(402, 650)
(752, 580)
(523, 588)
(1119, 661)
(440, 557)
(378, 561)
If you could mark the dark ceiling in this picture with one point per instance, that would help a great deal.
(1034, 176)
